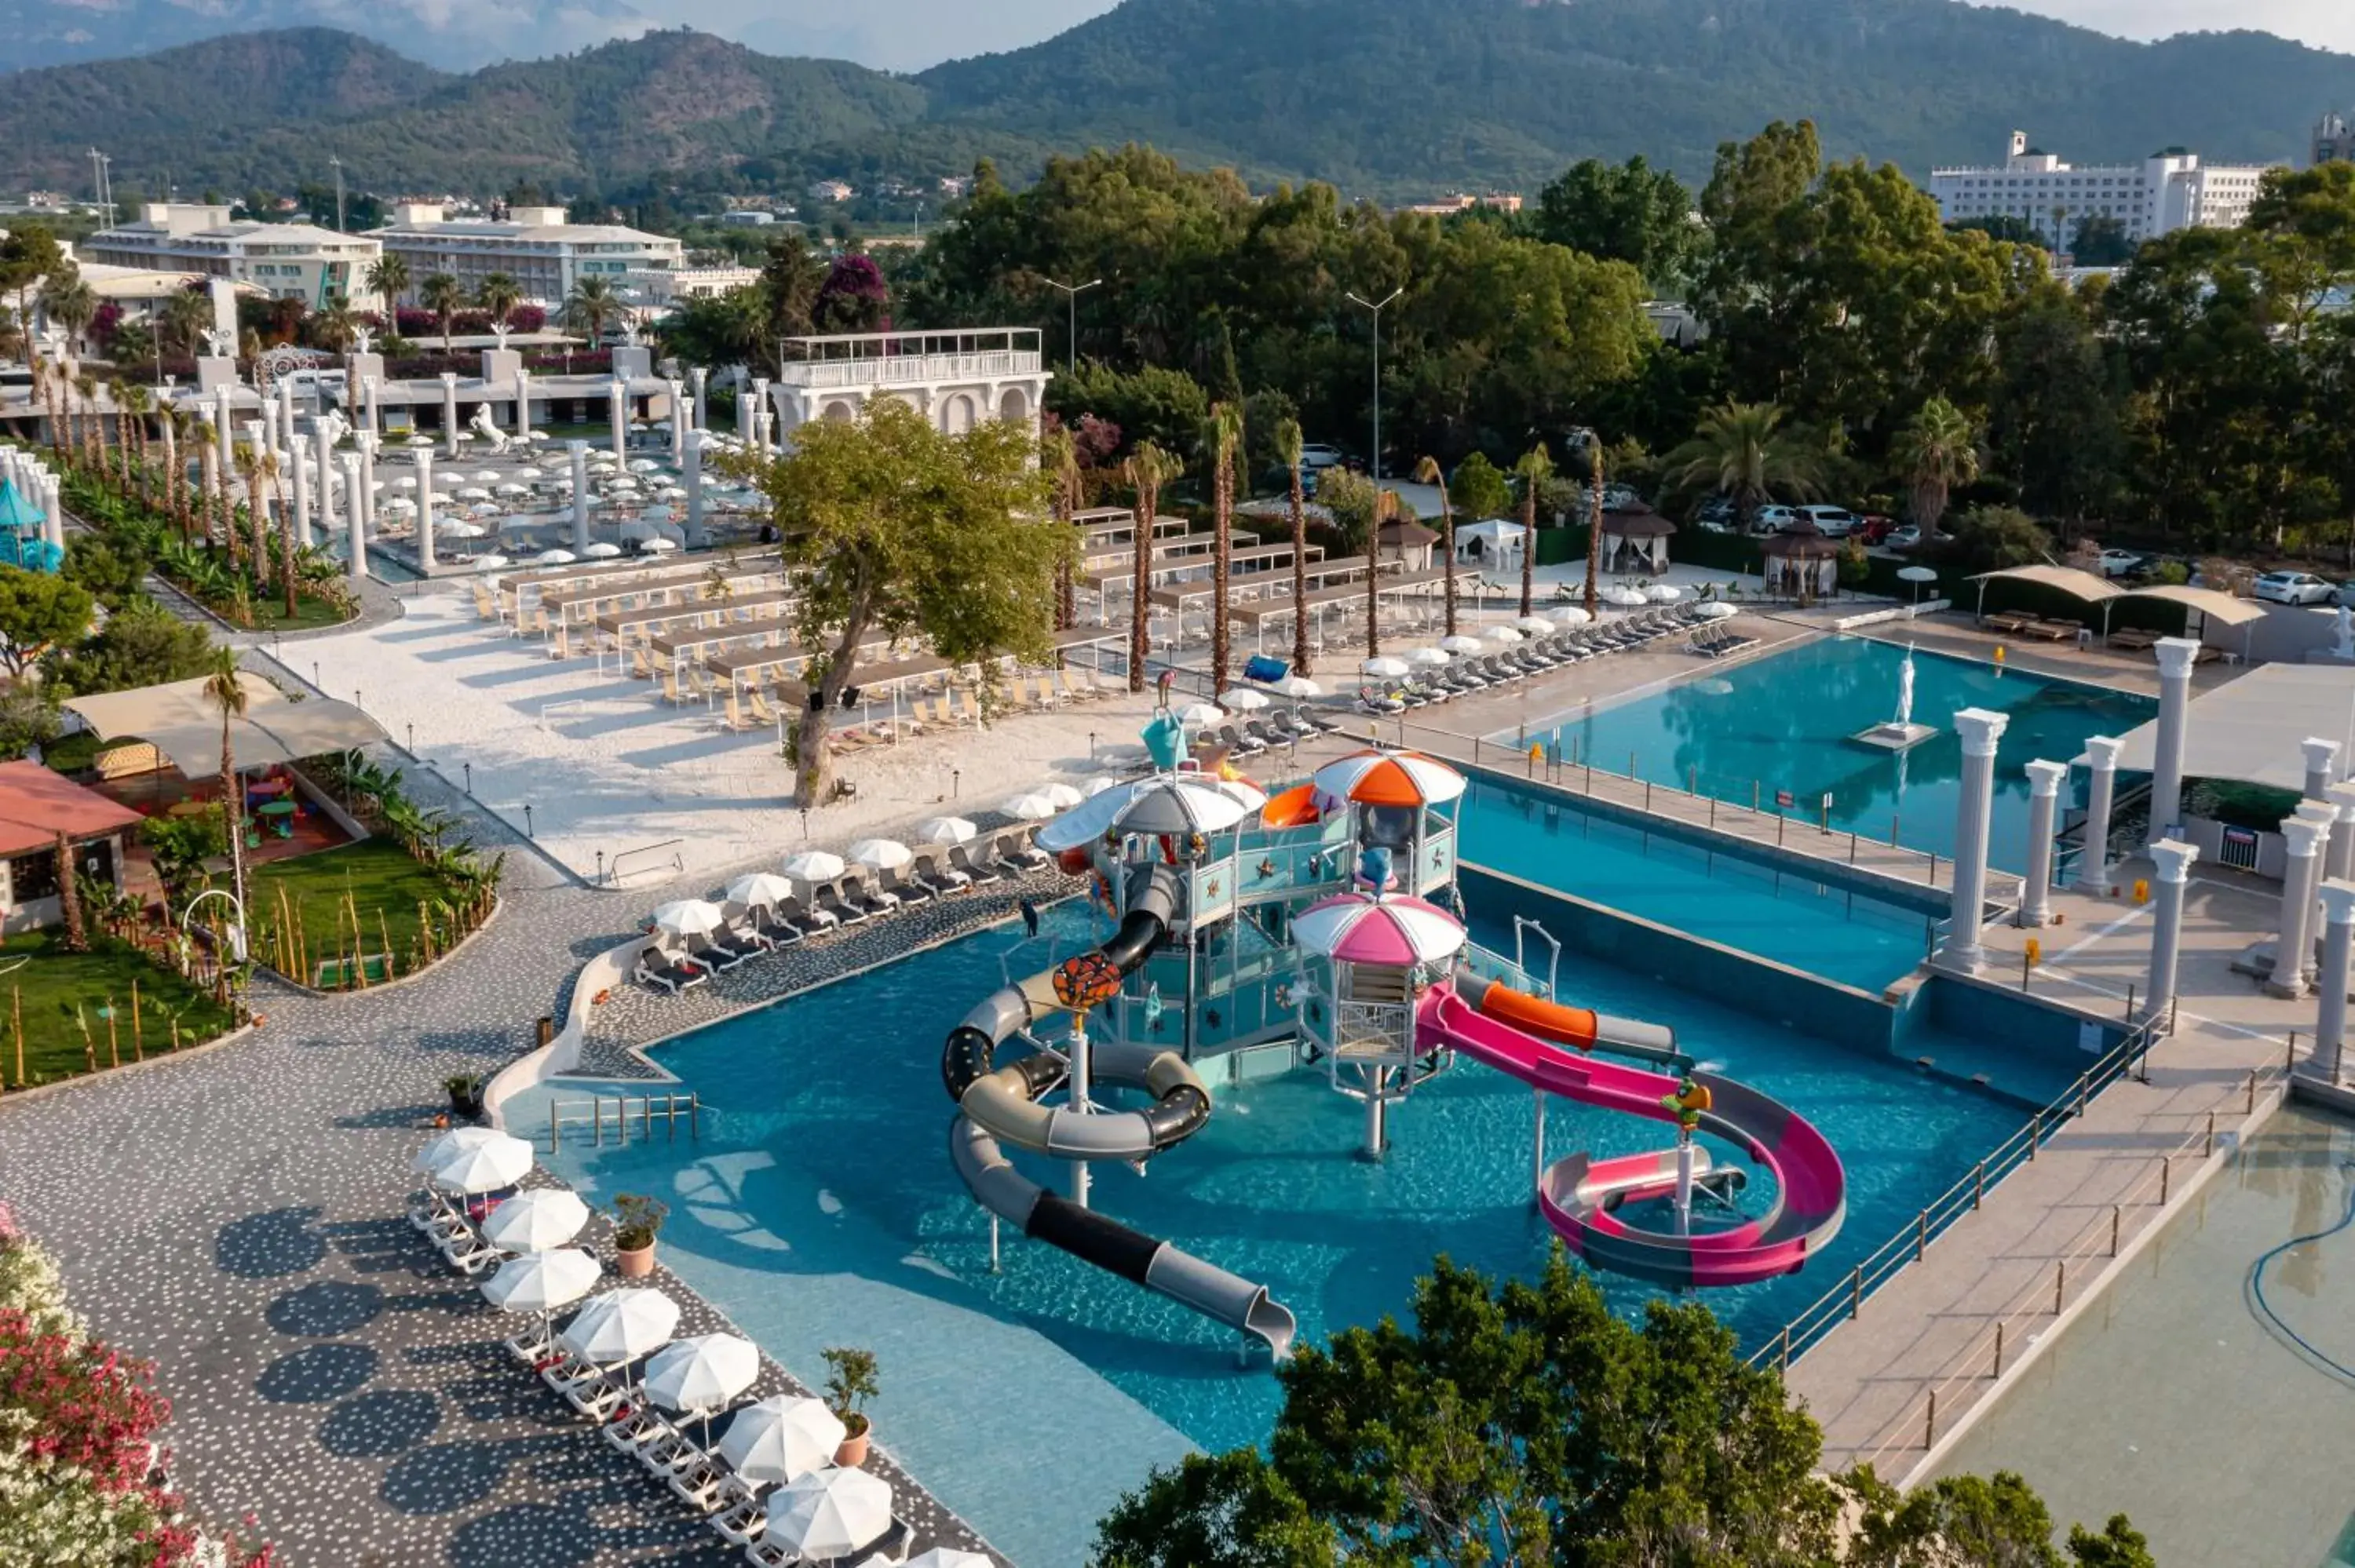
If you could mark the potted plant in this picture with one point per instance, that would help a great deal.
(466, 1093)
(636, 1218)
(850, 1385)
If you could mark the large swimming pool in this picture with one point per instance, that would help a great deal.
(820, 1209)
(1781, 723)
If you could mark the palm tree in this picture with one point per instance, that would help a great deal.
(168, 421)
(338, 327)
(186, 316)
(1224, 439)
(208, 453)
(1428, 471)
(1288, 447)
(133, 405)
(443, 295)
(1148, 469)
(76, 940)
(92, 451)
(1744, 450)
(1587, 457)
(71, 303)
(1059, 455)
(388, 279)
(591, 307)
(1534, 469)
(248, 461)
(498, 294)
(226, 693)
(1386, 509)
(1936, 450)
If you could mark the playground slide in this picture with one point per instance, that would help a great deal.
(1577, 1027)
(1580, 1194)
(1000, 1104)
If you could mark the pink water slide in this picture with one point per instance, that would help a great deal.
(1580, 1195)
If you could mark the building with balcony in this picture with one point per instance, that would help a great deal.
(534, 245)
(957, 379)
(285, 260)
(2170, 189)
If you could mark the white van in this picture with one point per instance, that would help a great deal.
(1832, 522)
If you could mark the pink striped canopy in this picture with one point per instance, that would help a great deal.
(1359, 928)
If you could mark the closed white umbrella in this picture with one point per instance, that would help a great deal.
(446, 1144)
(1460, 643)
(813, 865)
(827, 1513)
(602, 551)
(484, 1167)
(542, 1281)
(882, 854)
(1061, 794)
(947, 830)
(1242, 701)
(536, 1221)
(701, 1373)
(621, 1326)
(1384, 668)
(689, 917)
(758, 888)
(1033, 807)
(781, 1438)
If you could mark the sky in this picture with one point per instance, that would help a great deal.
(909, 35)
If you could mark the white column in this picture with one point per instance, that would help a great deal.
(523, 401)
(373, 421)
(580, 451)
(2094, 863)
(53, 511)
(697, 378)
(367, 482)
(450, 414)
(1980, 731)
(760, 412)
(284, 434)
(678, 422)
(355, 518)
(2322, 766)
(2171, 860)
(300, 476)
(425, 560)
(2176, 655)
(2043, 798)
(324, 450)
(620, 411)
(2293, 932)
(2340, 860)
(227, 470)
(2330, 982)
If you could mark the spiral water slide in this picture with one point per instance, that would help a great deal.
(1000, 1106)
(1580, 1196)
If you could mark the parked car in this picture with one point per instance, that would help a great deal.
(1317, 454)
(1772, 519)
(1832, 522)
(1876, 528)
(2294, 588)
(2123, 563)
(1909, 537)
(2345, 595)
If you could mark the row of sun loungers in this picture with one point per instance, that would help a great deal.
(1273, 729)
(1518, 662)
(854, 898)
(1715, 641)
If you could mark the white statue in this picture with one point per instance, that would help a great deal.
(1905, 690)
(336, 426)
(2346, 649)
(482, 425)
(218, 344)
(499, 331)
(630, 333)
(363, 341)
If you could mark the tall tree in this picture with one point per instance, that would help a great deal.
(1428, 471)
(186, 315)
(892, 527)
(1288, 445)
(28, 253)
(1935, 451)
(1745, 452)
(72, 303)
(445, 297)
(388, 279)
(1534, 469)
(1059, 458)
(1629, 212)
(1225, 444)
(1355, 506)
(1148, 469)
(225, 689)
(498, 294)
(61, 858)
(591, 307)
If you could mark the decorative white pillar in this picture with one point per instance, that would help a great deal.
(53, 511)
(678, 421)
(693, 465)
(1981, 730)
(2322, 766)
(355, 519)
(300, 475)
(324, 448)
(2172, 861)
(222, 440)
(761, 421)
(2043, 798)
(450, 414)
(368, 482)
(373, 422)
(523, 402)
(2176, 657)
(579, 453)
(425, 559)
(620, 411)
(2094, 862)
(2330, 982)
(283, 434)
(2294, 933)
(697, 378)
(2339, 860)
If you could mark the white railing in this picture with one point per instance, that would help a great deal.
(1359, 1024)
(897, 370)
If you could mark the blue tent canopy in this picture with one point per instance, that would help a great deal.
(16, 512)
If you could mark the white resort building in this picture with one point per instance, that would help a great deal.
(957, 379)
(534, 245)
(285, 260)
(2167, 191)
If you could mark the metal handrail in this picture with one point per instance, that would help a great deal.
(612, 876)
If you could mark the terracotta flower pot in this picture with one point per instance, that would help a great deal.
(853, 1452)
(635, 1263)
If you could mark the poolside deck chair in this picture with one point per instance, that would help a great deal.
(659, 971)
(790, 914)
(859, 885)
(927, 872)
(595, 1395)
(1073, 689)
(1259, 730)
(633, 1427)
(827, 899)
(719, 954)
(697, 1482)
(1015, 849)
(979, 871)
(745, 930)
(904, 886)
(742, 1516)
(469, 1254)
(1241, 741)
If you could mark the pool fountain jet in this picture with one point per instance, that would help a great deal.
(1899, 734)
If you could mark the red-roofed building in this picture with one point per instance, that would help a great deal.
(36, 805)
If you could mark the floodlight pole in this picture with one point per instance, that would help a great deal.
(1071, 292)
(1378, 310)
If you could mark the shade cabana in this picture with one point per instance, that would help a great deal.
(183, 724)
(1802, 558)
(2077, 584)
(1641, 535)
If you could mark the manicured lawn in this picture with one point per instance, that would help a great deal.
(45, 985)
(270, 614)
(374, 879)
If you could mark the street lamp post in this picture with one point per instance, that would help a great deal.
(1071, 292)
(1377, 310)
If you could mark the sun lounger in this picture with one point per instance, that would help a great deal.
(532, 1345)
(659, 971)
(716, 954)
(792, 915)
(1015, 849)
(858, 887)
(904, 885)
(595, 1396)
(962, 858)
(941, 879)
(827, 899)
(890, 1549)
(633, 1427)
(744, 931)
(469, 1254)
(2007, 620)
(741, 1520)
(697, 1483)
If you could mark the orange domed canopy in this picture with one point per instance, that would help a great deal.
(1378, 778)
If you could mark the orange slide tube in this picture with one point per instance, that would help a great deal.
(1297, 807)
(1571, 1026)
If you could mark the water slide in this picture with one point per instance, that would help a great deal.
(1001, 1106)
(1576, 1027)
(1580, 1195)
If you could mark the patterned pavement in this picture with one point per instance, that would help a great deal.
(237, 1216)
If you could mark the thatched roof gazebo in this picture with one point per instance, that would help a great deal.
(1801, 560)
(1638, 539)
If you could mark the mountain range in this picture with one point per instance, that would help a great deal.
(1382, 97)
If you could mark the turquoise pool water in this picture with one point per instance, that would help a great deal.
(1782, 723)
(820, 1209)
(1750, 903)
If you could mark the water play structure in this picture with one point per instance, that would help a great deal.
(1323, 930)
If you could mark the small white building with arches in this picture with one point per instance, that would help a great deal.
(955, 379)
